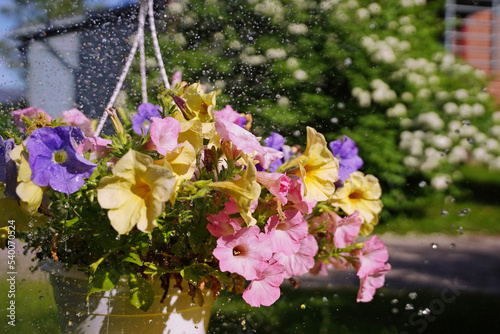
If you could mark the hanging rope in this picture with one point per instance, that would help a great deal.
(156, 45)
(126, 68)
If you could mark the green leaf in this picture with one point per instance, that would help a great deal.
(105, 279)
(141, 292)
(194, 272)
(154, 270)
(133, 257)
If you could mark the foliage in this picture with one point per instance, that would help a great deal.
(375, 71)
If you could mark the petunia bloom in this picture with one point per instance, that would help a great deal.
(54, 161)
(287, 234)
(29, 113)
(98, 147)
(317, 167)
(361, 193)
(75, 117)
(164, 133)
(5, 147)
(228, 113)
(369, 284)
(347, 154)
(265, 290)
(244, 140)
(372, 257)
(244, 191)
(278, 184)
(30, 195)
(245, 253)
(277, 142)
(136, 193)
(142, 120)
(347, 229)
(302, 261)
(222, 224)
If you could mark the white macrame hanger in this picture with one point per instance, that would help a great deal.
(138, 43)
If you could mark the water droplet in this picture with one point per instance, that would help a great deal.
(460, 230)
(470, 140)
(465, 122)
(444, 213)
(303, 306)
(464, 212)
(196, 326)
(150, 321)
(434, 245)
(422, 184)
(412, 295)
(452, 245)
(394, 310)
(408, 307)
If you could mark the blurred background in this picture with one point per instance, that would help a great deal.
(413, 82)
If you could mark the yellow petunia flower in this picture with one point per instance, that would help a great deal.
(360, 192)
(192, 132)
(198, 102)
(136, 193)
(182, 162)
(244, 191)
(30, 195)
(318, 168)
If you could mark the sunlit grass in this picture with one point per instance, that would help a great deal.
(441, 214)
(35, 308)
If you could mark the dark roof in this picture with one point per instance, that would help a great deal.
(74, 23)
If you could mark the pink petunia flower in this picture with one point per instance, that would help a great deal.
(369, 284)
(229, 114)
(176, 78)
(75, 117)
(271, 155)
(244, 140)
(246, 253)
(31, 113)
(286, 235)
(164, 133)
(266, 290)
(99, 148)
(295, 196)
(302, 261)
(278, 184)
(221, 224)
(372, 257)
(347, 229)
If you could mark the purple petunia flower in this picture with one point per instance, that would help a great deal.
(54, 161)
(142, 120)
(347, 154)
(277, 142)
(5, 147)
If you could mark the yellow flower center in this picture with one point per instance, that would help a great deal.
(141, 189)
(60, 156)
